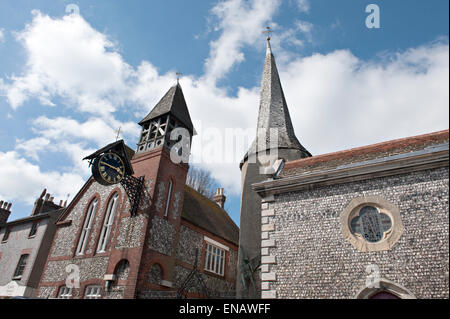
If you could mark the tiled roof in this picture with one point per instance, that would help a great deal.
(206, 214)
(364, 153)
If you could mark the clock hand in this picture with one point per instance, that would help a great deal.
(114, 168)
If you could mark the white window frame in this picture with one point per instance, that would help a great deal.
(93, 292)
(65, 292)
(21, 266)
(108, 222)
(169, 193)
(215, 259)
(87, 227)
(34, 226)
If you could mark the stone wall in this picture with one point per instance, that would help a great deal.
(66, 237)
(188, 241)
(305, 255)
(162, 235)
(213, 284)
(127, 232)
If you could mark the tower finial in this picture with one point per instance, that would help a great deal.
(178, 77)
(268, 31)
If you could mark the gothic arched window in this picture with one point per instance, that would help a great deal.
(169, 195)
(87, 227)
(107, 223)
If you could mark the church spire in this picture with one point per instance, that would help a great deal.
(273, 112)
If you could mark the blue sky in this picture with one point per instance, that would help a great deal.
(68, 81)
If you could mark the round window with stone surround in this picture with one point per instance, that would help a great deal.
(371, 223)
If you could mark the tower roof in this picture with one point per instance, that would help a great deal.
(173, 102)
(273, 112)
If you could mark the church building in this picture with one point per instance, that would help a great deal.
(368, 222)
(177, 243)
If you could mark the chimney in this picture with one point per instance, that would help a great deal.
(5, 211)
(43, 205)
(220, 198)
(38, 203)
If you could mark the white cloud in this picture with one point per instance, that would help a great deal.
(33, 146)
(68, 58)
(303, 5)
(26, 180)
(95, 130)
(2, 35)
(338, 101)
(241, 23)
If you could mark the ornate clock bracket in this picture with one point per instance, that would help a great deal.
(133, 187)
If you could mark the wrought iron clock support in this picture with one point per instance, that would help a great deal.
(133, 187)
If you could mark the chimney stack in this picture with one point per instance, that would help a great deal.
(38, 203)
(5, 211)
(43, 205)
(220, 198)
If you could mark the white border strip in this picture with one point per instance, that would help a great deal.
(215, 243)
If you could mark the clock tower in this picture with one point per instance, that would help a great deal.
(165, 180)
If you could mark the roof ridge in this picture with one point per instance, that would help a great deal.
(374, 147)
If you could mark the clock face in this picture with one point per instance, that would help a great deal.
(109, 169)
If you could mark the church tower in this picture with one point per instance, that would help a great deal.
(275, 139)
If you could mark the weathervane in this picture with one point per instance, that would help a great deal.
(118, 133)
(268, 32)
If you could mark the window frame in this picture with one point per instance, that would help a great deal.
(21, 266)
(88, 292)
(214, 262)
(87, 226)
(6, 234)
(66, 294)
(108, 222)
(390, 237)
(34, 227)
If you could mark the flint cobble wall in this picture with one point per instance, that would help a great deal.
(306, 256)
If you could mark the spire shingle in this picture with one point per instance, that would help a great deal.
(273, 112)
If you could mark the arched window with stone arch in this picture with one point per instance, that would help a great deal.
(122, 270)
(155, 274)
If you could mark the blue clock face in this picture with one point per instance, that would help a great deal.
(110, 169)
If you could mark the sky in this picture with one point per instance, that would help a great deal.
(73, 72)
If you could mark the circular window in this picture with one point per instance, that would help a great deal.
(371, 223)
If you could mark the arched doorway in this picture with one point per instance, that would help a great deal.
(384, 295)
(386, 290)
